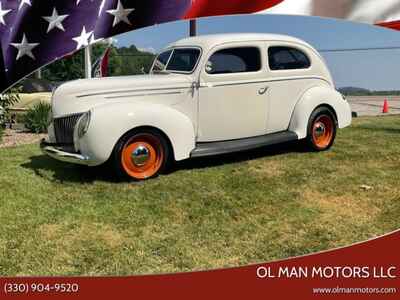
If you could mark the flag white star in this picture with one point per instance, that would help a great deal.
(79, 1)
(25, 48)
(55, 21)
(83, 39)
(27, 2)
(3, 12)
(103, 2)
(120, 14)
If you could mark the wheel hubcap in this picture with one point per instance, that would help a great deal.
(320, 130)
(140, 156)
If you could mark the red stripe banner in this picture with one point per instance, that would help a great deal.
(104, 63)
(206, 8)
(392, 25)
(367, 270)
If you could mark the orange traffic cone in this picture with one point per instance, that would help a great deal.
(385, 109)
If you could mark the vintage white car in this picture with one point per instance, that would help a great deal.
(205, 95)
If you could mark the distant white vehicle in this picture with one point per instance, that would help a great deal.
(206, 95)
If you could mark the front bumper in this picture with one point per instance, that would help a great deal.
(53, 151)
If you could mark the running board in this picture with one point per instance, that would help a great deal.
(216, 148)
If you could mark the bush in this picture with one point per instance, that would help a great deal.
(1, 132)
(36, 119)
(20, 118)
(7, 100)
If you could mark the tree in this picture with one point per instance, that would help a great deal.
(134, 61)
(123, 61)
(68, 68)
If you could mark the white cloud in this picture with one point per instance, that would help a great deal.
(148, 49)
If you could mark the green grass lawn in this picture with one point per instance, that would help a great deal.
(60, 219)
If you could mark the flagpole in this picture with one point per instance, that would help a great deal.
(88, 61)
(193, 27)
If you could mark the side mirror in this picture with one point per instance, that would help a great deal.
(209, 67)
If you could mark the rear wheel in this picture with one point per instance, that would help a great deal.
(141, 155)
(322, 129)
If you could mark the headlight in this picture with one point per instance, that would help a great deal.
(83, 124)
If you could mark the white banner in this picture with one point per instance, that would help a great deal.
(368, 11)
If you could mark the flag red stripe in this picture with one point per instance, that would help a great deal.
(392, 25)
(104, 63)
(205, 8)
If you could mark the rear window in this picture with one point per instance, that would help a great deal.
(287, 58)
(235, 60)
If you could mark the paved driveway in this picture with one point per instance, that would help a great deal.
(373, 105)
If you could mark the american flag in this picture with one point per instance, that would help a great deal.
(34, 33)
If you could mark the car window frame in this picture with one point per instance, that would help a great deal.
(173, 50)
(158, 54)
(232, 46)
(289, 47)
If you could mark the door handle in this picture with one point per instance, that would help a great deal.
(262, 91)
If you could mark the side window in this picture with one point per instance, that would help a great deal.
(234, 60)
(286, 58)
(184, 60)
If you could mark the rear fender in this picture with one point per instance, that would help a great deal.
(314, 98)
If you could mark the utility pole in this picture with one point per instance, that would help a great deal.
(193, 27)
(39, 74)
(88, 61)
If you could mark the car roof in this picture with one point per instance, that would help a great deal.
(209, 41)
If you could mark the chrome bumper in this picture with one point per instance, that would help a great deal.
(52, 151)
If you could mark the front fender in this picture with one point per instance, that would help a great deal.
(111, 121)
(313, 98)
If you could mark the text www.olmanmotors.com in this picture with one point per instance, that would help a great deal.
(364, 290)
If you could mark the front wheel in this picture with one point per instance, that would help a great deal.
(141, 155)
(322, 129)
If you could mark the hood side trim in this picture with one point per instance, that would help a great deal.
(132, 91)
(143, 95)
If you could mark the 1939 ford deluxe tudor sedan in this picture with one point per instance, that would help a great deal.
(204, 96)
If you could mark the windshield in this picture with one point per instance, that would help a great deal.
(179, 60)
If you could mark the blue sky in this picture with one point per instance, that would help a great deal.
(373, 69)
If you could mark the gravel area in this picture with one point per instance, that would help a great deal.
(12, 138)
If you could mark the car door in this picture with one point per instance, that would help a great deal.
(233, 93)
(291, 74)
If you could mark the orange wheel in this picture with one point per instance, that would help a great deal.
(142, 156)
(323, 131)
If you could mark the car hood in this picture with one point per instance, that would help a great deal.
(84, 94)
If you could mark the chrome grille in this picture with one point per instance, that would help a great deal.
(64, 129)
